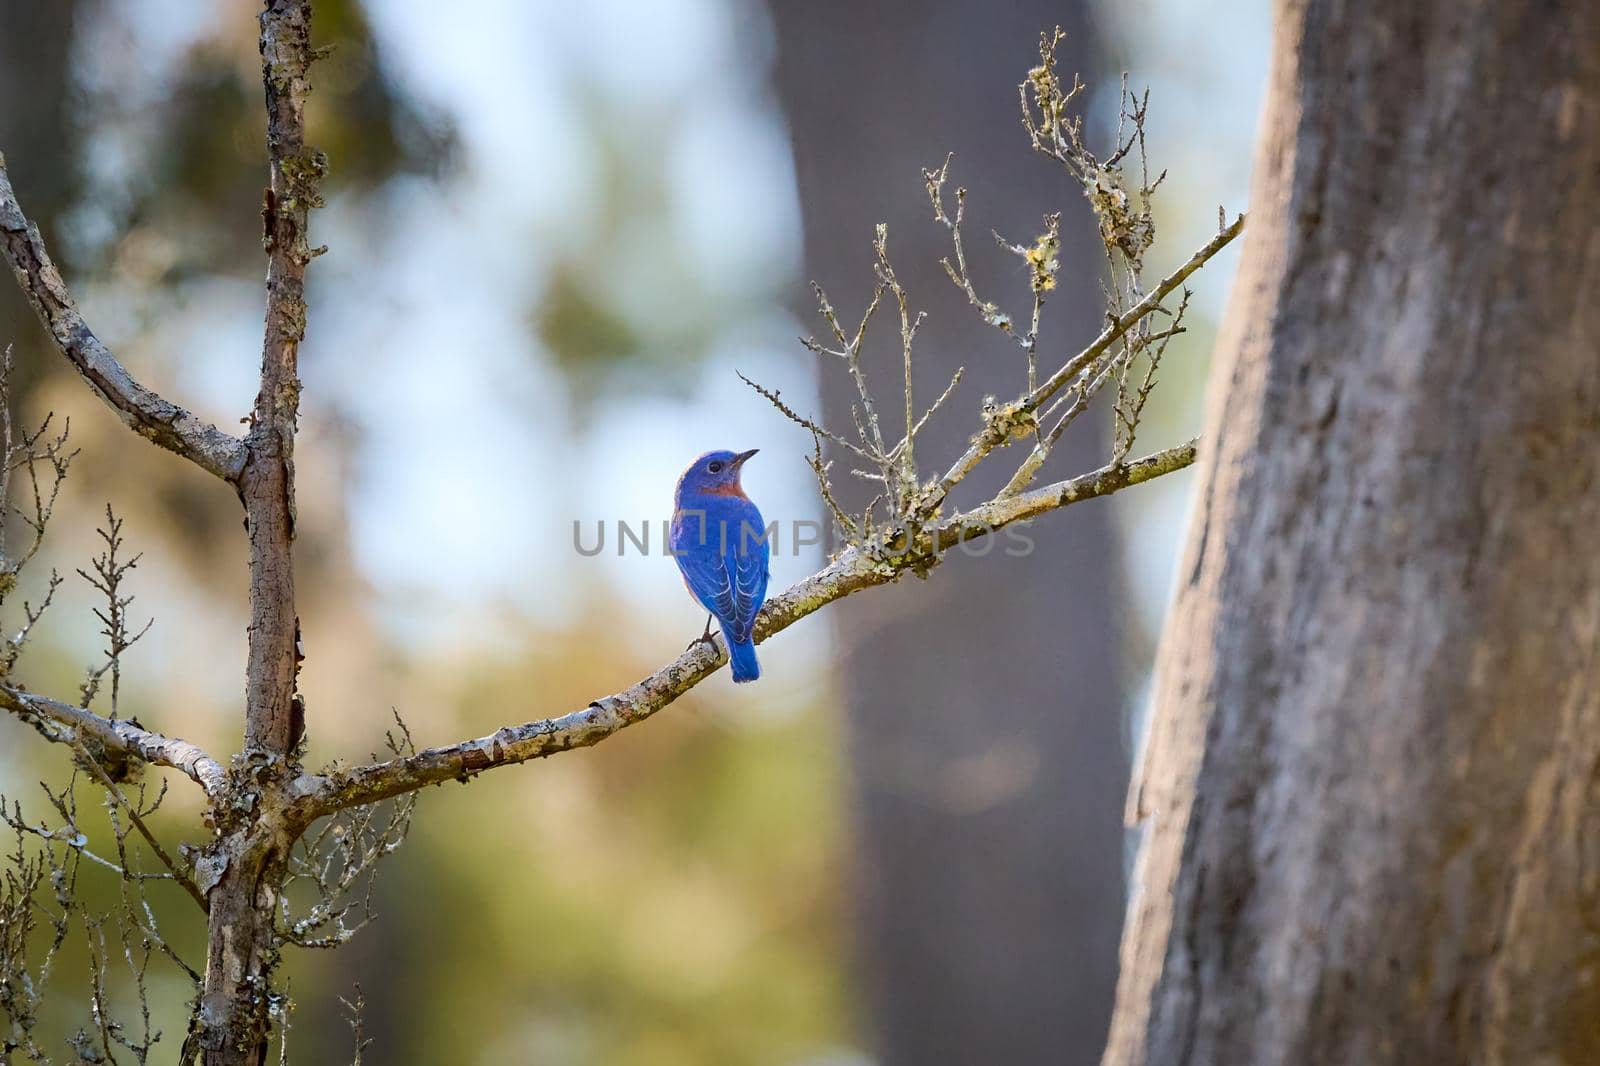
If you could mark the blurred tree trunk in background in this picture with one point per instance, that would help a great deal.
(34, 75)
(989, 876)
(39, 143)
(1374, 770)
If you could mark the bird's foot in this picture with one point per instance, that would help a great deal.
(703, 638)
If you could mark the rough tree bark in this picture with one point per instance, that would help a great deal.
(249, 856)
(1373, 776)
(980, 866)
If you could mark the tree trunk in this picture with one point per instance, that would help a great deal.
(242, 950)
(988, 881)
(1374, 763)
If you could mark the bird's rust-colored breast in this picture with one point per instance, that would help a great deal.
(735, 490)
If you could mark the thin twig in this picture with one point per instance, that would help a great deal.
(115, 793)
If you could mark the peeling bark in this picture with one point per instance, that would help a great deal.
(246, 870)
(1373, 774)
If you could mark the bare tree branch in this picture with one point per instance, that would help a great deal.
(1009, 420)
(272, 717)
(114, 793)
(339, 862)
(50, 857)
(123, 736)
(315, 795)
(358, 1023)
(1115, 329)
(109, 573)
(146, 413)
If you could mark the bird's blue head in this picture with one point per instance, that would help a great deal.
(714, 474)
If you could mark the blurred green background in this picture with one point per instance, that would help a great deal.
(556, 231)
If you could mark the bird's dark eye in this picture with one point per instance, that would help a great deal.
(715, 467)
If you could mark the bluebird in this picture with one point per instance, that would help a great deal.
(720, 544)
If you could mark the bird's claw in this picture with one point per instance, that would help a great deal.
(703, 638)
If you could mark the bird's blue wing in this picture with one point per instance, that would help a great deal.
(748, 565)
(707, 577)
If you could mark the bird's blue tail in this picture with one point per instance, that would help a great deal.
(743, 659)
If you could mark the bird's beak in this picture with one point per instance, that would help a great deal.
(738, 460)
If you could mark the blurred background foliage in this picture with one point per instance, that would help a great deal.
(555, 230)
